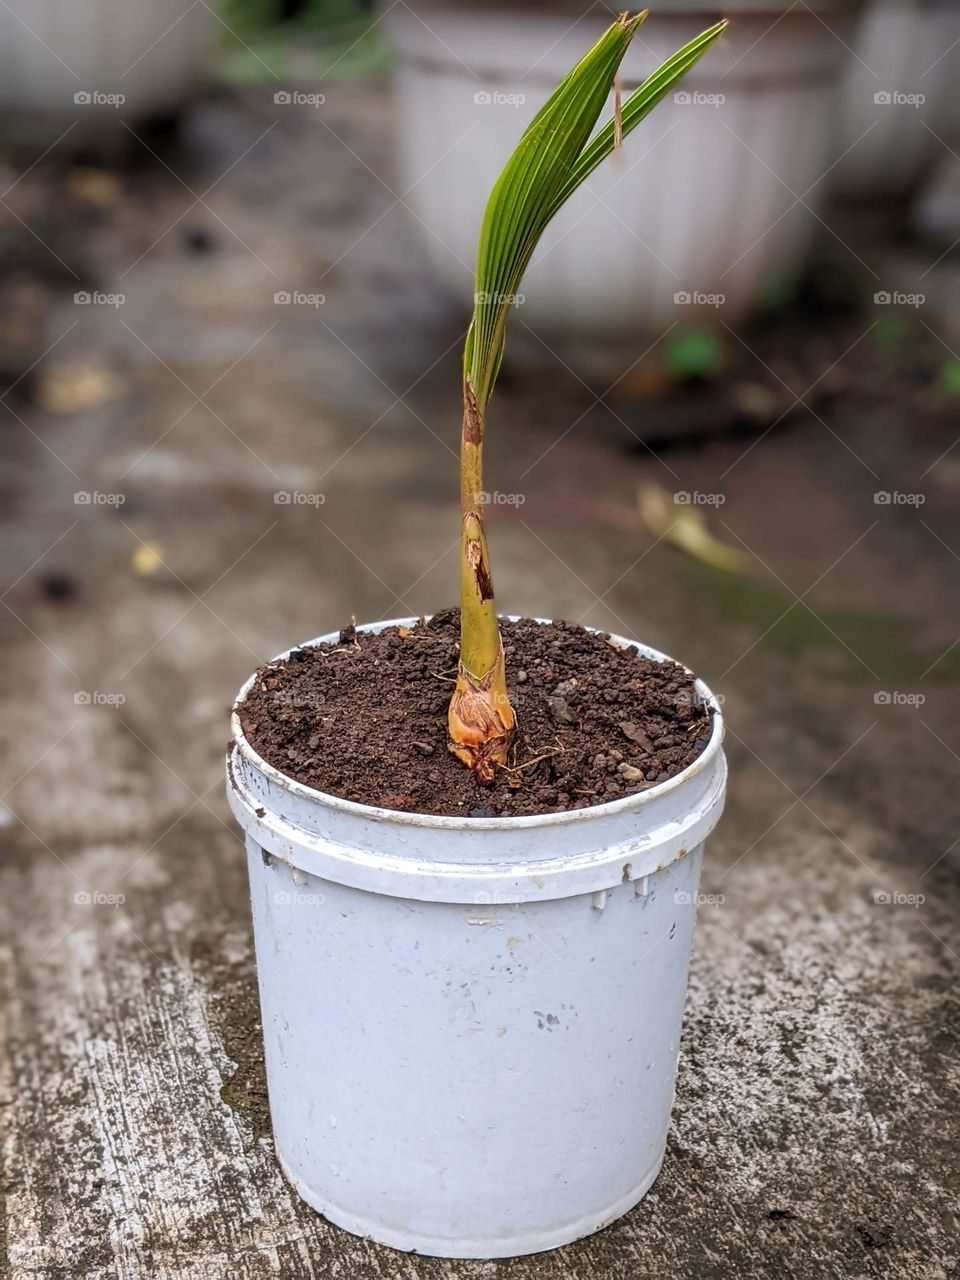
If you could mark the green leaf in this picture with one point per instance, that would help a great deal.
(639, 105)
(696, 354)
(522, 199)
(554, 156)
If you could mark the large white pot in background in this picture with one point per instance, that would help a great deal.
(67, 62)
(698, 205)
(894, 94)
(948, 120)
(471, 1026)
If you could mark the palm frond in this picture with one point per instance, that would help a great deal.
(522, 199)
(553, 157)
(639, 105)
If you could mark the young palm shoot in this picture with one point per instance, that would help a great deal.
(554, 156)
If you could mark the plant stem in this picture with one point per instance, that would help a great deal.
(481, 719)
(556, 153)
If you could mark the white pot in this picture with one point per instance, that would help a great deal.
(892, 103)
(95, 63)
(948, 119)
(696, 207)
(471, 1025)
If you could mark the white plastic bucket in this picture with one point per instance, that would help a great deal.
(73, 71)
(471, 1025)
(894, 91)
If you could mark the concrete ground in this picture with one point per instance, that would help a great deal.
(814, 1132)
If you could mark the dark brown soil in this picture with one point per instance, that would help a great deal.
(366, 719)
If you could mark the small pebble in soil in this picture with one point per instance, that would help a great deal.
(630, 774)
(635, 734)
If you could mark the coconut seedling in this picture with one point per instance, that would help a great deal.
(392, 873)
(553, 157)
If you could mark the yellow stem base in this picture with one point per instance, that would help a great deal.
(481, 722)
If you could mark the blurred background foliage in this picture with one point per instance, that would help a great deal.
(299, 38)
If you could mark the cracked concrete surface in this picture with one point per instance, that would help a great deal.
(814, 1131)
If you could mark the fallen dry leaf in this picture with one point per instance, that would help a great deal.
(94, 186)
(647, 380)
(147, 559)
(686, 527)
(69, 388)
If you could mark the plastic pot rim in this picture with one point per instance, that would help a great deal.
(448, 822)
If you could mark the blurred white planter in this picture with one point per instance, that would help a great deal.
(699, 203)
(893, 98)
(67, 62)
(948, 116)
